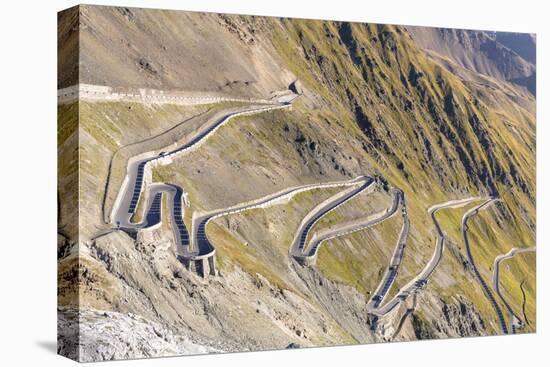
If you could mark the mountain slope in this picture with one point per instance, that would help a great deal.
(374, 102)
(500, 55)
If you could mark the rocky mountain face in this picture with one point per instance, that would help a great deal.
(152, 48)
(111, 336)
(438, 113)
(501, 55)
(524, 44)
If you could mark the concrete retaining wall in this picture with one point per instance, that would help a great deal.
(186, 98)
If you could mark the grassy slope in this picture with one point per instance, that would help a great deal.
(404, 146)
(105, 128)
(375, 105)
(67, 169)
(259, 240)
(488, 243)
(436, 137)
(524, 264)
(487, 240)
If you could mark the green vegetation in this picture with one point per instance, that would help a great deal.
(159, 175)
(106, 145)
(512, 284)
(425, 131)
(262, 239)
(374, 104)
(458, 280)
(486, 243)
(67, 168)
(231, 251)
(67, 122)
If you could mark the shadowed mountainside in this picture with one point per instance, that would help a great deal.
(501, 55)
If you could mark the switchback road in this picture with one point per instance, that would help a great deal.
(344, 229)
(480, 279)
(422, 278)
(361, 184)
(200, 243)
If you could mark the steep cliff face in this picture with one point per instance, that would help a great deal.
(455, 319)
(108, 336)
(430, 111)
(144, 278)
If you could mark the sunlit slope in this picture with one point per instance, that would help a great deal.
(374, 104)
(110, 133)
(67, 170)
(520, 292)
(419, 121)
(160, 49)
(424, 129)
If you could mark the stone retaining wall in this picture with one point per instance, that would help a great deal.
(186, 98)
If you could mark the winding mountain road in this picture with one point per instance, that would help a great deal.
(196, 245)
(344, 229)
(202, 245)
(422, 278)
(480, 279)
(391, 272)
(135, 185)
(360, 184)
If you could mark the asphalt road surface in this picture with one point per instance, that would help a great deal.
(299, 241)
(421, 279)
(480, 279)
(198, 246)
(200, 241)
(134, 186)
(392, 271)
(344, 229)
